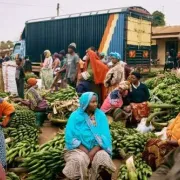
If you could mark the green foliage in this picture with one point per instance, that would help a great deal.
(158, 19)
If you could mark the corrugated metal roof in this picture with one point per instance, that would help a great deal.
(135, 9)
(166, 30)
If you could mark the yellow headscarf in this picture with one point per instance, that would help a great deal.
(47, 53)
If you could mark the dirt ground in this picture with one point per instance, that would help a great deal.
(49, 132)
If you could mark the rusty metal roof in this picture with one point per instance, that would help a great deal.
(166, 30)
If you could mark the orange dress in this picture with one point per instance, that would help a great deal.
(173, 130)
(6, 109)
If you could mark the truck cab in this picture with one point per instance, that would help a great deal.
(19, 48)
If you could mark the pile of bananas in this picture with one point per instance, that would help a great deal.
(127, 140)
(44, 164)
(20, 107)
(61, 95)
(23, 132)
(47, 161)
(12, 176)
(3, 94)
(56, 143)
(143, 171)
(23, 117)
(21, 149)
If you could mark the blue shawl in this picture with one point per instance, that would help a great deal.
(81, 131)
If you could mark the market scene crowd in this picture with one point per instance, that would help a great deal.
(106, 88)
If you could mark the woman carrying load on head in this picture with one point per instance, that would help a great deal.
(116, 74)
(94, 74)
(88, 142)
(47, 71)
(117, 103)
(139, 95)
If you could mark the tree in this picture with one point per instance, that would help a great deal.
(158, 19)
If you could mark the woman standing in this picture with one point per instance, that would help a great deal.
(116, 74)
(139, 95)
(88, 142)
(95, 72)
(56, 62)
(20, 78)
(46, 71)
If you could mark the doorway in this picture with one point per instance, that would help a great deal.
(172, 44)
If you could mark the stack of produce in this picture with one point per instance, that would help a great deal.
(20, 107)
(21, 149)
(61, 95)
(128, 141)
(63, 102)
(23, 117)
(143, 171)
(48, 162)
(57, 143)
(12, 176)
(166, 89)
(30, 75)
(21, 133)
(3, 94)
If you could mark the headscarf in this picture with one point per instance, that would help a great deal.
(80, 130)
(99, 68)
(115, 55)
(32, 81)
(102, 54)
(137, 75)
(47, 53)
(125, 85)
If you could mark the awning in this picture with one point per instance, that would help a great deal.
(164, 36)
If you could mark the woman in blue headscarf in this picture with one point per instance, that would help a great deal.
(88, 142)
(116, 74)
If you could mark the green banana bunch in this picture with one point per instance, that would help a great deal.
(61, 95)
(128, 141)
(56, 143)
(143, 171)
(12, 176)
(23, 117)
(23, 132)
(44, 164)
(20, 107)
(3, 94)
(21, 149)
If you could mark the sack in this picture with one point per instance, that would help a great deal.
(9, 71)
(142, 128)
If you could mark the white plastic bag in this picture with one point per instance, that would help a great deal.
(142, 128)
(162, 135)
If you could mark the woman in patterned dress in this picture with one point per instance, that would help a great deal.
(88, 142)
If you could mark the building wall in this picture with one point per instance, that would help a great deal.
(161, 43)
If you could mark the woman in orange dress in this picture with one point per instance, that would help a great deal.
(95, 72)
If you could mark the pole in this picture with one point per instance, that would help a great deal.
(58, 9)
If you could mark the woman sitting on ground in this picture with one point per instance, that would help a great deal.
(156, 149)
(33, 99)
(116, 104)
(116, 74)
(139, 95)
(88, 142)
